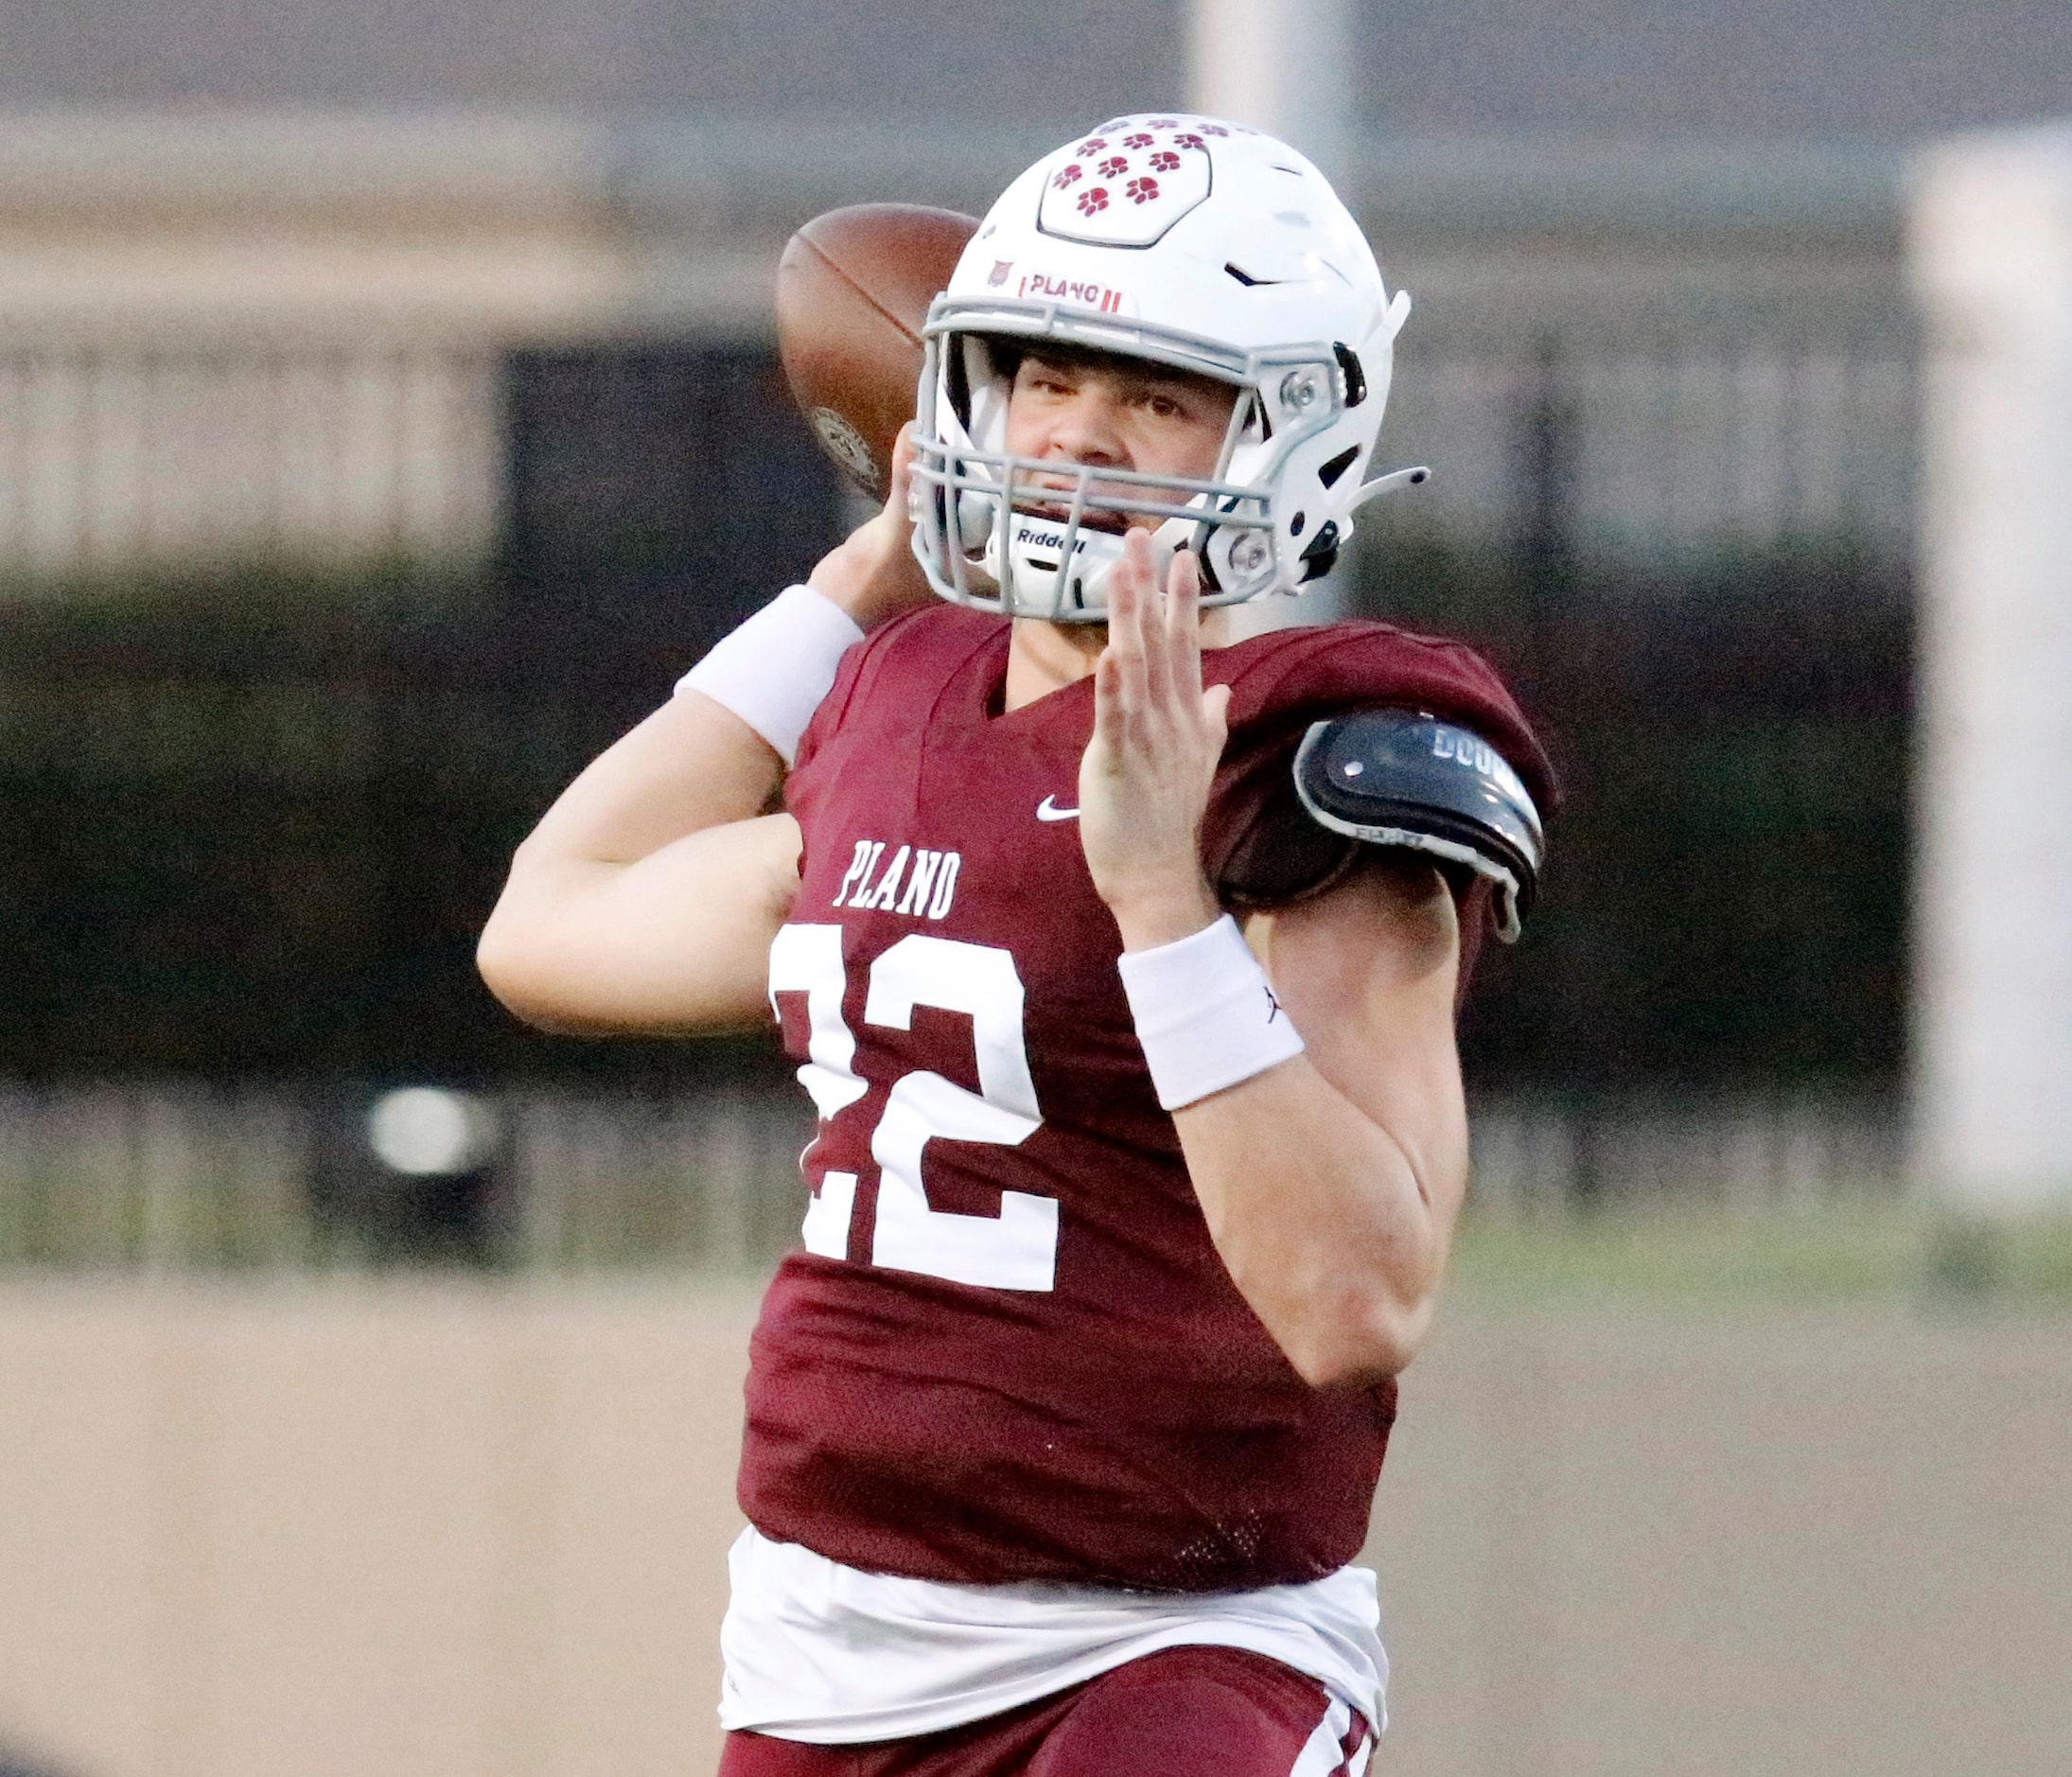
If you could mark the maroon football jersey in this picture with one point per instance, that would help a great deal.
(1010, 1351)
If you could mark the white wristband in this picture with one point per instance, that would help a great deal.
(1204, 1013)
(773, 670)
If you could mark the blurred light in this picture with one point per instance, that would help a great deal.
(429, 1131)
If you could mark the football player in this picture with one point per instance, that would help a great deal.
(1121, 965)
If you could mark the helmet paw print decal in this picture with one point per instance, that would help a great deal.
(1153, 170)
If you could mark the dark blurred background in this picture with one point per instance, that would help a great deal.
(388, 414)
(254, 820)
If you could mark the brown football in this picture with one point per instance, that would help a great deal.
(852, 293)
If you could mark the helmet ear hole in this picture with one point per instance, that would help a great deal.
(1328, 473)
(1253, 427)
(1321, 555)
(1356, 377)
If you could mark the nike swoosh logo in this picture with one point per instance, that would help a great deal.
(1049, 810)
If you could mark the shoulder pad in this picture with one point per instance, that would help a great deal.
(1404, 778)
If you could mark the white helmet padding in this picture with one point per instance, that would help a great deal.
(1187, 243)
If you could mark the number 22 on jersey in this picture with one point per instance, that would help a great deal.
(1018, 1248)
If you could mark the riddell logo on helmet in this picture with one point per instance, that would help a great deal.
(1045, 537)
(1103, 297)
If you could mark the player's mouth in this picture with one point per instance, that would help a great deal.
(1060, 512)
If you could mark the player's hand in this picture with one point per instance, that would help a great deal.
(871, 574)
(1145, 775)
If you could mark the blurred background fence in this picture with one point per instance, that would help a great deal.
(259, 1180)
(117, 459)
(317, 586)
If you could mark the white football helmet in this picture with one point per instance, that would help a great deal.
(1192, 243)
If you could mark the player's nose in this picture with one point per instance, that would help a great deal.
(1087, 428)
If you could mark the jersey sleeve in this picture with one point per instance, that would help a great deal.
(1260, 846)
(862, 662)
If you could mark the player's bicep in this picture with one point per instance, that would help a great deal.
(1368, 971)
(673, 945)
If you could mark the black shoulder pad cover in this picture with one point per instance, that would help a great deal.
(1404, 778)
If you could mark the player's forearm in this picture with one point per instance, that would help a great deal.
(1330, 1179)
(1334, 1229)
(1333, 1212)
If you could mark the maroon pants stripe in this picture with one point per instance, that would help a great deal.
(1187, 1712)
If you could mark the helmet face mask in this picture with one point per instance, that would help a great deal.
(1194, 279)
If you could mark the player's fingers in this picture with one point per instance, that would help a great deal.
(1135, 576)
(902, 473)
(1140, 559)
(1127, 637)
(1183, 614)
(1108, 699)
(1215, 714)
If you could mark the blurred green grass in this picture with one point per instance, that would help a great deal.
(1707, 1257)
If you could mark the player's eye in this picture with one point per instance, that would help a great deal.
(1046, 378)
